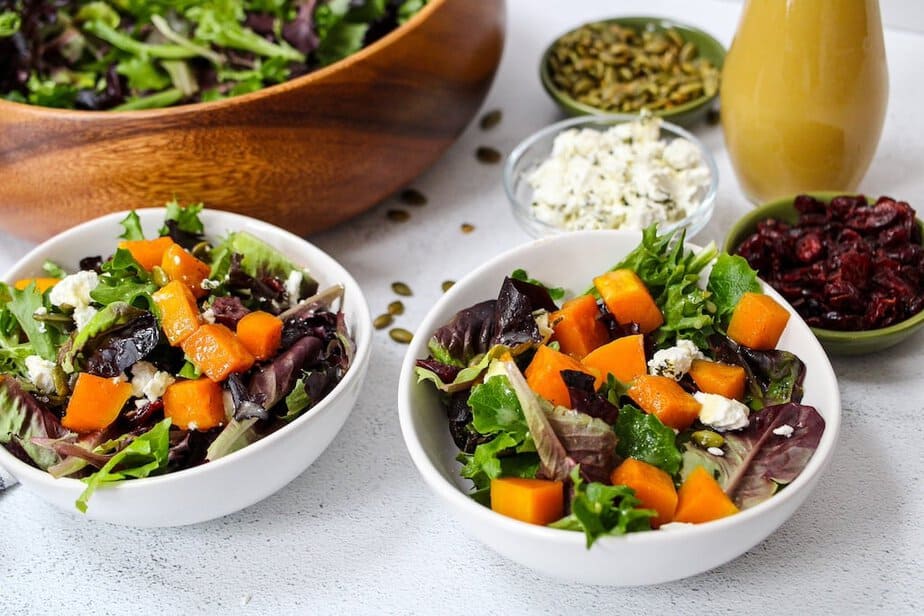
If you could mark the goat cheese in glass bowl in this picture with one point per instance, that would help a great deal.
(611, 172)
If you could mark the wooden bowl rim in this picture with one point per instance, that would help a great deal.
(293, 84)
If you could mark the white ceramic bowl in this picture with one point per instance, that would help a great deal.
(536, 148)
(571, 261)
(246, 476)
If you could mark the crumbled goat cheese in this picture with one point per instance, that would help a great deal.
(294, 286)
(625, 177)
(74, 291)
(208, 315)
(208, 284)
(784, 430)
(675, 361)
(715, 451)
(40, 372)
(148, 381)
(721, 413)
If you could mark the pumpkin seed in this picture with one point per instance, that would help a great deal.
(382, 321)
(396, 307)
(202, 250)
(411, 196)
(707, 438)
(613, 68)
(447, 284)
(488, 156)
(401, 289)
(467, 227)
(399, 334)
(159, 276)
(398, 215)
(491, 119)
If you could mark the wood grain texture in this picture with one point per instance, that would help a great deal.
(305, 155)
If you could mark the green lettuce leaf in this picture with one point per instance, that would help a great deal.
(124, 280)
(556, 293)
(466, 376)
(642, 436)
(731, 277)
(186, 217)
(10, 22)
(145, 455)
(599, 509)
(22, 305)
(53, 269)
(259, 258)
(132, 227)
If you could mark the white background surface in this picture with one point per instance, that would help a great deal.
(359, 533)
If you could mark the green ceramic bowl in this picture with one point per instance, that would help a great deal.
(834, 341)
(685, 115)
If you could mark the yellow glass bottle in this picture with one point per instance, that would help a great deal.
(804, 92)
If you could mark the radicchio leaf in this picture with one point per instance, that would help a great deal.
(758, 462)
(246, 404)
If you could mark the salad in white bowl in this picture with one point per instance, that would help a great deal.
(169, 352)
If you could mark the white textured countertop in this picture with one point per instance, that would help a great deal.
(359, 533)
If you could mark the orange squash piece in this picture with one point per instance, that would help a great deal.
(543, 375)
(261, 333)
(624, 358)
(42, 284)
(148, 253)
(717, 378)
(577, 327)
(652, 486)
(758, 322)
(626, 296)
(701, 499)
(95, 402)
(180, 265)
(217, 352)
(536, 501)
(665, 399)
(195, 405)
(179, 314)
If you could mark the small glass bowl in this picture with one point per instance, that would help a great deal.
(536, 148)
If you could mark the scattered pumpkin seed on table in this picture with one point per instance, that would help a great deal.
(412, 196)
(447, 284)
(398, 215)
(616, 68)
(399, 334)
(467, 227)
(395, 308)
(401, 289)
(487, 155)
(382, 321)
(491, 119)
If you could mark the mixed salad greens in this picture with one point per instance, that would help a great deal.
(168, 354)
(650, 399)
(132, 54)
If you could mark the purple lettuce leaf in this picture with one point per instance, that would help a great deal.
(564, 438)
(773, 377)
(585, 399)
(273, 381)
(757, 462)
(23, 418)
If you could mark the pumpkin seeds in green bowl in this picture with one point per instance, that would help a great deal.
(625, 64)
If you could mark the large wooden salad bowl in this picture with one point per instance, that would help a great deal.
(305, 154)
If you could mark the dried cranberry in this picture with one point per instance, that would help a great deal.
(847, 265)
